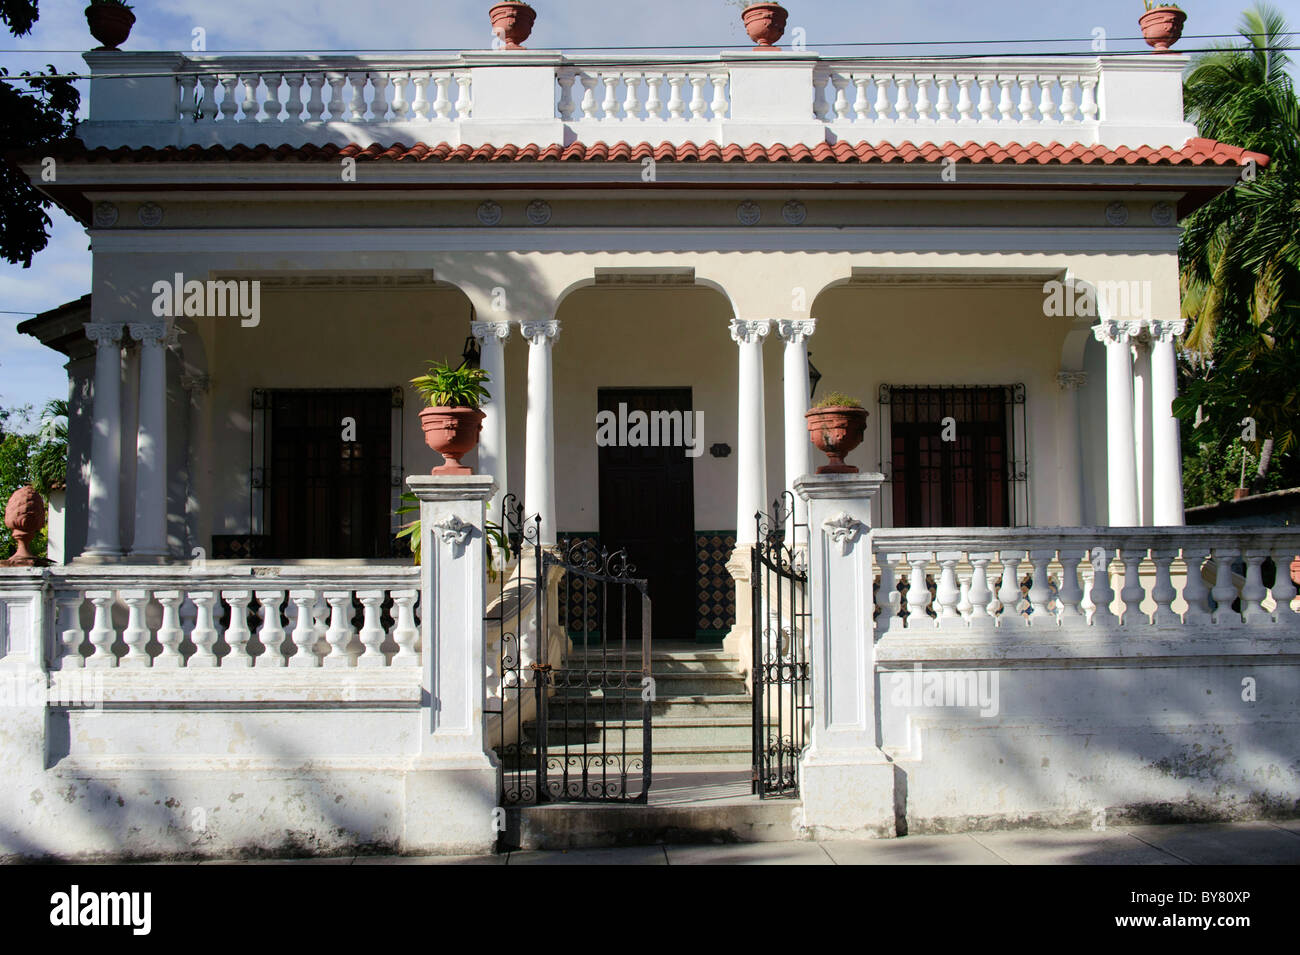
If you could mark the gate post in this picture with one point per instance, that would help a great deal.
(846, 781)
(451, 786)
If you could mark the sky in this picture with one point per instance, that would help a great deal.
(32, 374)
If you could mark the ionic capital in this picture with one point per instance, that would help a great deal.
(1165, 332)
(1071, 380)
(749, 333)
(154, 334)
(1114, 332)
(483, 331)
(797, 331)
(540, 333)
(104, 335)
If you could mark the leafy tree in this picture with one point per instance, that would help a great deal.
(1240, 254)
(34, 112)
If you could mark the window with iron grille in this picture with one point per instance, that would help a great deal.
(953, 456)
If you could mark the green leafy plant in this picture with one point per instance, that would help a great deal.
(111, 3)
(413, 532)
(837, 399)
(1156, 5)
(447, 387)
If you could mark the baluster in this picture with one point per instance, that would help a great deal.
(188, 105)
(208, 109)
(862, 104)
(464, 102)
(1069, 100)
(379, 106)
(1006, 106)
(296, 83)
(918, 594)
(357, 107)
(698, 103)
(882, 96)
(1040, 590)
(270, 633)
(1133, 592)
(421, 104)
(981, 595)
(923, 104)
(564, 108)
(340, 631)
(237, 632)
(401, 106)
(632, 96)
(720, 107)
(1163, 593)
(944, 106)
(304, 634)
(1047, 99)
(71, 636)
(609, 107)
(903, 107)
(136, 634)
(271, 108)
(821, 108)
(228, 105)
(1102, 594)
(887, 595)
(1253, 590)
(676, 104)
(842, 105)
(316, 102)
(170, 633)
(1026, 105)
(1070, 595)
(405, 633)
(964, 104)
(1225, 591)
(372, 633)
(442, 99)
(102, 633)
(1009, 591)
(1284, 588)
(249, 106)
(204, 636)
(654, 104)
(336, 107)
(948, 592)
(964, 605)
(1089, 107)
(1195, 594)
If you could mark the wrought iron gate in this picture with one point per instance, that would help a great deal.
(569, 712)
(782, 700)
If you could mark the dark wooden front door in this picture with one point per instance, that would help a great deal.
(330, 497)
(647, 507)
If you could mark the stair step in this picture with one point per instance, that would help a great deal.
(578, 826)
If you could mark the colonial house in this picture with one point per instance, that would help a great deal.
(661, 262)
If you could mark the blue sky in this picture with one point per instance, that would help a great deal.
(30, 373)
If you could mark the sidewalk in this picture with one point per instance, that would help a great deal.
(1245, 843)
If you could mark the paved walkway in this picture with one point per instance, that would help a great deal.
(1245, 843)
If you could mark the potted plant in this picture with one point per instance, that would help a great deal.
(765, 23)
(452, 422)
(513, 20)
(110, 22)
(837, 425)
(1162, 24)
(25, 518)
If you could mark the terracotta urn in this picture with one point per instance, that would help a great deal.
(24, 516)
(513, 21)
(836, 432)
(1295, 570)
(1162, 27)
(109, 24)
(1240, 493)
(453, 433)
(765, 23)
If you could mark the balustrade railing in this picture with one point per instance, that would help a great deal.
(295, 618)
(1124, 579)
(640, 94)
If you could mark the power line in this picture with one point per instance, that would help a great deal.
(18, 313)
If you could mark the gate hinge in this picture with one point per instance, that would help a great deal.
(541, 667)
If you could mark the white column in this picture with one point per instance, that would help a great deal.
(150, 539)
(1166, 450)
(798, 446)
(751, 440)
(196, 484)
(1140, 349)
(539, 448)
(1070, 477)
(491, 337)
(103, 536)
(1120, 448)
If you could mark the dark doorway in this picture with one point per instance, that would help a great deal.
(329, 488)
(647, 507)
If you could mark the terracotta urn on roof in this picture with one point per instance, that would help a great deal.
(765, 23)
(513, 20)
(24, 516)
(110, 23)
(1162, 26)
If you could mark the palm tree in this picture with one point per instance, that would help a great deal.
(1240, 253)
